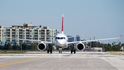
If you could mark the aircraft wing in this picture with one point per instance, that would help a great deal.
(102, 39)
(114, 38)
(39, 41)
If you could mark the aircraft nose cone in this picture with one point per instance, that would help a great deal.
(61, 43)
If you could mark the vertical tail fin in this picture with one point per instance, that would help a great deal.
(62, 24)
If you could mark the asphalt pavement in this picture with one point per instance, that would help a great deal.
(65, 61)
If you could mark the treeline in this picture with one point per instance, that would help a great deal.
(23, 46)
(33, 46)
(107, 47)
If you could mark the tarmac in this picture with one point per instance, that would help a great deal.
(64, 61)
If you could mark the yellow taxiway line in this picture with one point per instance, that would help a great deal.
(2, 65)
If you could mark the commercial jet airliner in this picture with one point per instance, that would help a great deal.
(61, 42)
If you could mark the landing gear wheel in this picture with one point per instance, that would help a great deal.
(51, 51)
(74, 51)
(47, 51)
(60, 50)
(71, 51)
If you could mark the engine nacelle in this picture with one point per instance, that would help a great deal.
(80, 46)
(41, 46)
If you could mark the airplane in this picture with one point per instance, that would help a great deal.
(61, 42)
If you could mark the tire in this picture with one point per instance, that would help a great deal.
(74, 51)
(47, 51)
(71, 51)
(60, 50)
(51, 51)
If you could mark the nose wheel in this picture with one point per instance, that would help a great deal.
(60, 49)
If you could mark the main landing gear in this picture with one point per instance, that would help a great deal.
(73, 50)
(49, 49)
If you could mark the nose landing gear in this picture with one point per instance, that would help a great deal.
(60, 49)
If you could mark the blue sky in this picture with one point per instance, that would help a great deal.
(87, 18)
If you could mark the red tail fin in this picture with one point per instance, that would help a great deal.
(62, 23)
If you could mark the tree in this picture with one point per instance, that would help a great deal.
(7, 45)
(1, 45)
(94, 44)
(34, 46)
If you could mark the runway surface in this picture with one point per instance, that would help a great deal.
(65, 61)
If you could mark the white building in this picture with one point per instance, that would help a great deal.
(1, 33)
(16, 33)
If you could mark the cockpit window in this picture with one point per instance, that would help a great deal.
(60, 37)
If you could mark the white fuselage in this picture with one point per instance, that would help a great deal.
(61, 40)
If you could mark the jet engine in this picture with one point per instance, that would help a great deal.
(80, 46)
(41, 46)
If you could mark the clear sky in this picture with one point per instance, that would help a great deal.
(87, 18)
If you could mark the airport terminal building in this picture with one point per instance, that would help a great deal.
(21, 33)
